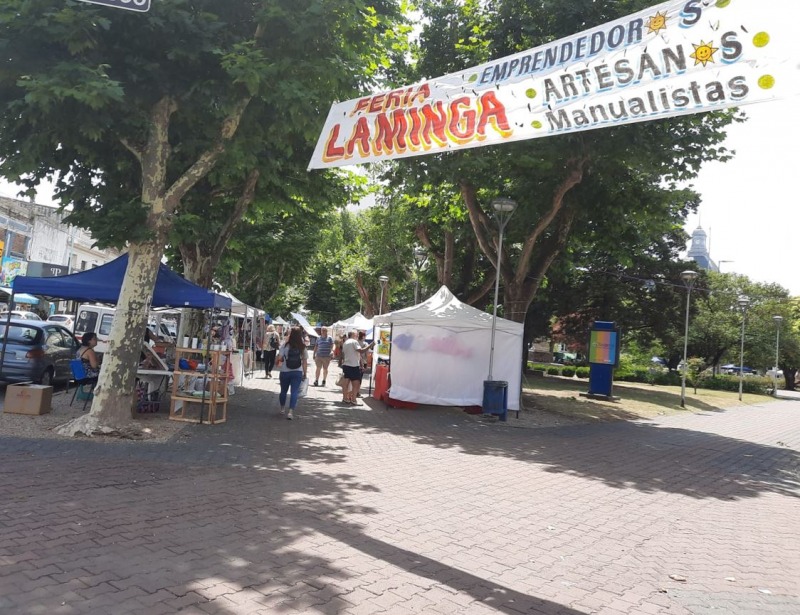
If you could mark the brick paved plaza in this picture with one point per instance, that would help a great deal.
(368, 510)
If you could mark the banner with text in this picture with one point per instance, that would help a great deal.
(675, 58)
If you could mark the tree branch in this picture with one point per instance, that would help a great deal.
(481, 223)
(480, 292)
(424, 238)
(236, 215)
(137, 153)
(209, 158)
(550, 250)
(575, 167)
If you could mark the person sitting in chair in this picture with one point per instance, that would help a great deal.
(88, 356)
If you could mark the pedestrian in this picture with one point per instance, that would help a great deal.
(269, 349)
(353, 351)
(323, 351)
(293, 366)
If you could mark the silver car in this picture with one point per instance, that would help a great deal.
(65, 320)
(36, 351)
(20, 315)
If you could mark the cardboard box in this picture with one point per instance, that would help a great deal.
(28, 399)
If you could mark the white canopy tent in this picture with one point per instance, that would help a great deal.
(440, 352)
(357, 322)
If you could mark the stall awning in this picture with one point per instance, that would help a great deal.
(21, 297)
(102, 285)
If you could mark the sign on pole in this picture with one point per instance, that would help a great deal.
(678, 57)
(140, 6)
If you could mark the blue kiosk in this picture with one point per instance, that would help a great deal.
(603, 358)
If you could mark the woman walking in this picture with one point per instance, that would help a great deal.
(270, 346)
(293, 366)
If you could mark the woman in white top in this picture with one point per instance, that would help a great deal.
(352, 352)
(293, 365)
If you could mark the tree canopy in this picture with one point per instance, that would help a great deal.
(128, 112)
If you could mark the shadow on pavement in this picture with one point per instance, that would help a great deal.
(183, 516)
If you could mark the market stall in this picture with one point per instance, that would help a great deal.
(440, 352)
(102, 285)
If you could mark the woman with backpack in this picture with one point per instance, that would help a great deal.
(293, 365)
(269, 349)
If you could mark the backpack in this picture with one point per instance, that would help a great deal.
(294, 359)
(273, 342)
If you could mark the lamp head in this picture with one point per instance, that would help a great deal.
(743, 302)
(504, 206)
(420, 255)
(689, 277)
(383, 279)
(778, 319)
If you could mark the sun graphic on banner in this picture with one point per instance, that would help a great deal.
(657, 23)
(703, 53)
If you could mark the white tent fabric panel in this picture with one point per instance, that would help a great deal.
(440, 353)
(301, 320)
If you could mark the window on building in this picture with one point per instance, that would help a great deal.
(17, 245)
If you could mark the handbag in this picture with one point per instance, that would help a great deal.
(340, 381)
(303, 388)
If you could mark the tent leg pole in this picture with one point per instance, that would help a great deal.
(8, 326)
(372, 369)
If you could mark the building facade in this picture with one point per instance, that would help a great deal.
(36, 241)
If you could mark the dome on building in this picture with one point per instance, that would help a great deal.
(698, 252)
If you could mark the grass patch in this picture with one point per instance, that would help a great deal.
(637, 401)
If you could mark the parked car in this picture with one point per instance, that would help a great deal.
(163, 332)
(733, 370)
(36, 351)
(20, 315)
(65, 320)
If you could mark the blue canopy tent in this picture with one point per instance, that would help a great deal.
(103, 284)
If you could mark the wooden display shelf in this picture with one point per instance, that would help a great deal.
(211, 408)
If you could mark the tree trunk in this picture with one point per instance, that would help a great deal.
(114, 396)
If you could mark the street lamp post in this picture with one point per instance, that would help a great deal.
(778, 321)
(688, 278)
(383, 280)
(743, 302)
(419, 257)
(503, 210)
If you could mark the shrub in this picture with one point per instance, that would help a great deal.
(582, 372)
(569, 372)
(757, 386)
(667, 378)
(553, 371)
(633, 373)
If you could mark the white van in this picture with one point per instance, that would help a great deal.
(96, 318)
(99, 318)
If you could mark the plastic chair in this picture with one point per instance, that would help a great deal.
(81, 380)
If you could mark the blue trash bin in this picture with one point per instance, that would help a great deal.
(495, 398)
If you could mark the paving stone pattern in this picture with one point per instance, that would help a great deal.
(368, 510)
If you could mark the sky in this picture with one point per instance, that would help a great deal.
(751, 204)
